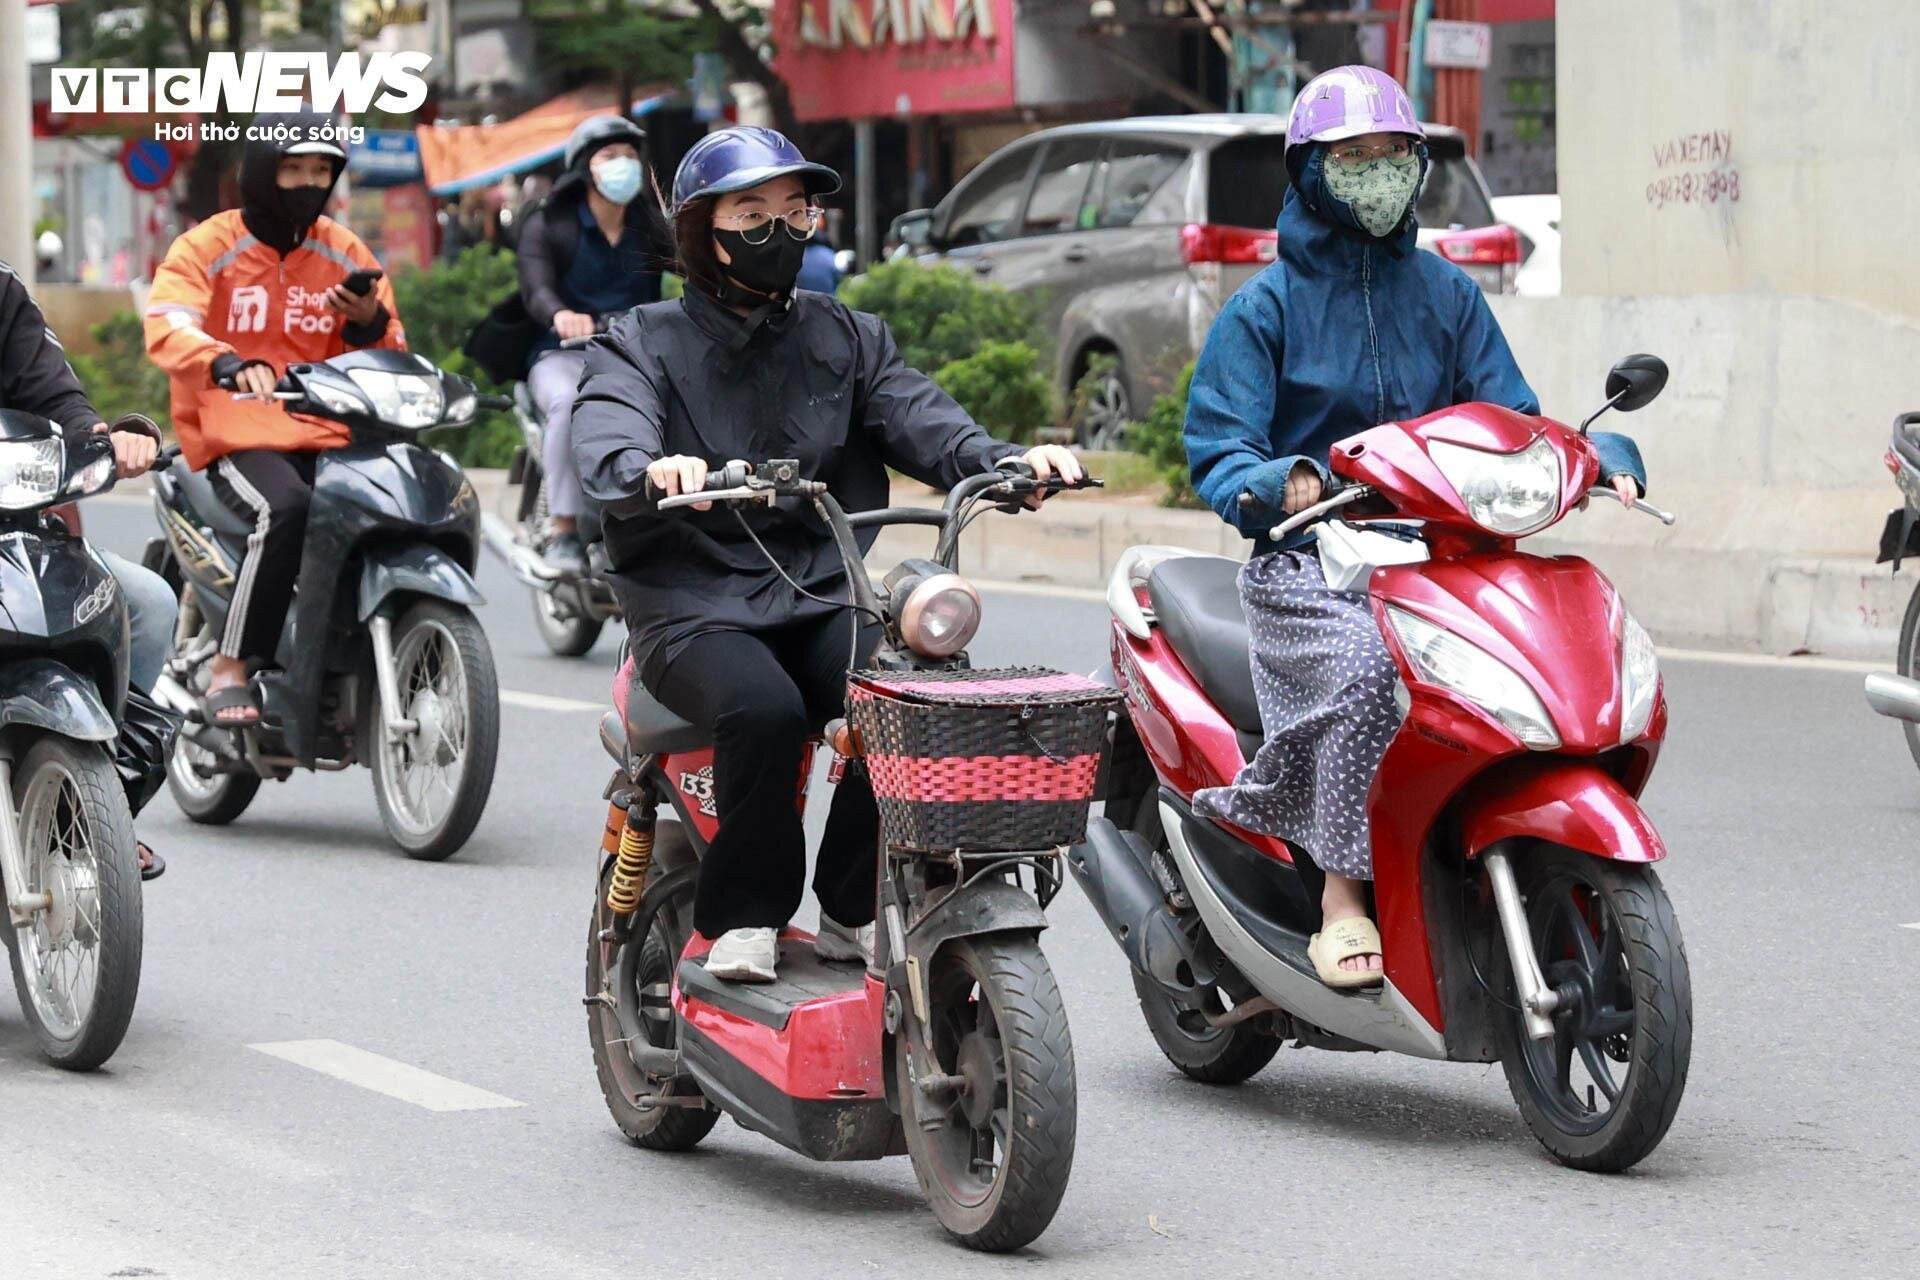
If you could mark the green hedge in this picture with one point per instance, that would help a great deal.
(1162, 438)
(119, 378)
(978, 341)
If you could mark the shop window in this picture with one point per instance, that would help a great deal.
(988, 207)
(1062, 199)
(1139, 185)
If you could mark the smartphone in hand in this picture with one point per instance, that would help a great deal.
(359, 282)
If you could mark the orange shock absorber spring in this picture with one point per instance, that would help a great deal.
(630, 864)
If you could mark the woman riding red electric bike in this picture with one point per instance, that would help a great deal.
(1520, 915)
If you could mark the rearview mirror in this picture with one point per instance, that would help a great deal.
(913, 229)
(1635, 381)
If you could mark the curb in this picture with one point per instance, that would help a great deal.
(1710, 597)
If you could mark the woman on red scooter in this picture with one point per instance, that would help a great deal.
(745, 366)
(1352, 326)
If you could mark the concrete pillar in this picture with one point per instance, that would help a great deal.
(16, 143)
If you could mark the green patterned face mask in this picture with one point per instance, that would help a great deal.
(1379, 192)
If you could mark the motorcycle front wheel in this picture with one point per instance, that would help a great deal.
(76, 964)
(1600, 1093)
(992, 1139)
(1909, 664)
(432, 781)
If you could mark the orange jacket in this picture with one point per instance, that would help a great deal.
(221, 290)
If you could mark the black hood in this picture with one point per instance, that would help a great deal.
(276, 215)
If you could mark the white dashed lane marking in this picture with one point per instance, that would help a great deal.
(547, 702)
(384, 1075)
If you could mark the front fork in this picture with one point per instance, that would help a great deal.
(395, 725)
(22, 906)
(1537, 1000)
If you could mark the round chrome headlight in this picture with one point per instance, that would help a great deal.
(1506, 493)
(30, 472)
(940, 615)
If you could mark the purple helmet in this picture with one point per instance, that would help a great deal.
(1347, 102)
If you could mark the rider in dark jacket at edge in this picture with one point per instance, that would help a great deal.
(745, 366)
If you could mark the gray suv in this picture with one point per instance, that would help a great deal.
(1131, 233)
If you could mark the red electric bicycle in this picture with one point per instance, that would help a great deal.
(952, 1047)
(1520, 916)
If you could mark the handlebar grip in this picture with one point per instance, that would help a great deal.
(496, 402)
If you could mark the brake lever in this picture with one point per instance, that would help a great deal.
(277, 395)
(1639, 504)
(744, 493)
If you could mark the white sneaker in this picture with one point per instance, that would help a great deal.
(744, 955)
(837, 941)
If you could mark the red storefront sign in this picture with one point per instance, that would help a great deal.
(855, 59)
(406, 232)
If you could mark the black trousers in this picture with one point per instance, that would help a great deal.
(270, 491)
(761, 694)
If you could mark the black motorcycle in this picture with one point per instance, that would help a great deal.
(381, 661)
(569, 609)
(69, 867)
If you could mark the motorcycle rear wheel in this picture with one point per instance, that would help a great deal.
(997, 1021)
(567, 631)
(641, 980)
(76, 967)
(1607, 929)
(1211, 1055)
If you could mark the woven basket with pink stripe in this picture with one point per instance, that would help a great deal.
(991, 760)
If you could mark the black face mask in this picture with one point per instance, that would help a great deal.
(302, 205)
(769, 268)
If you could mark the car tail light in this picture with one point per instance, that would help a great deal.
(1206, 242)
(1483, 246)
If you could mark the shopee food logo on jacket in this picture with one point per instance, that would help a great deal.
(304, 311)
(248, 83)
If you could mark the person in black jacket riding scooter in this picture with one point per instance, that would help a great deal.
(36, 378)
(747, 367)
(594, 247)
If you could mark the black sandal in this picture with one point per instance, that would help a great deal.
(234, 695)
(152, 865)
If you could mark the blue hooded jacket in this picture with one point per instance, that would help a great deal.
(1342, 333)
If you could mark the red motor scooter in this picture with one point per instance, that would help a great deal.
(952, 1047)
(1520, 916)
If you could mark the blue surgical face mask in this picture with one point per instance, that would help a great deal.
(618, 179)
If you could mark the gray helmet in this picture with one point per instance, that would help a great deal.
(600, 131)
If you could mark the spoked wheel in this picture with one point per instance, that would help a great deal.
(1909, 665)
(432, 781)
(76, 964)
(1601, 1092)
(636, 979)
(204, 794)
(991, 1128)
(567, 629)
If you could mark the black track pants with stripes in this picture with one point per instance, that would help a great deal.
(270, 491)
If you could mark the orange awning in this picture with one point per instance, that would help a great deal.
(462, 157)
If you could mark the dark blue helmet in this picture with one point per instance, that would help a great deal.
(741, 157)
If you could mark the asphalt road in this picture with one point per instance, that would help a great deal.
(1792, 813)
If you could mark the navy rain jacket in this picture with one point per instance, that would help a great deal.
(1342, 333)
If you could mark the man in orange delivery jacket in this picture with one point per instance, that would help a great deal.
(241, 296)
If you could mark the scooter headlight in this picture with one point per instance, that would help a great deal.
(1439, 657)
(402, 399)
(1639, 678)
(31, 472)
(336, 399)
(940, 615)
(1506, 493)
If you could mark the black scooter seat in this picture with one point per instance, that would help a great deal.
(804, 977)
(200, 498)
(1196, 600)
(654, 730)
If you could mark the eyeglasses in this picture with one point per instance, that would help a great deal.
(756, 227)
(1357, 153)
